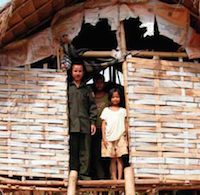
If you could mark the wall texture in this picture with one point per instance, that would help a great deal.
(163, 102)
(33, 123)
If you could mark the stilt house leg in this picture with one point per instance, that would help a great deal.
(73, 175)
(129, 181)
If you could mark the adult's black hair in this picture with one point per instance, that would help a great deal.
(98, 77)
(110, 94)
(79, 62)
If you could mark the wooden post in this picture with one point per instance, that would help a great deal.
(45, 66)
(129, 181)
(71, 190)
(58, 58)
(123, 39)
(27, 67)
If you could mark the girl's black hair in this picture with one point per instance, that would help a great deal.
(110, 94)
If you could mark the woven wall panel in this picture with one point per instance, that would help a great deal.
(163, 100)
(33, 123)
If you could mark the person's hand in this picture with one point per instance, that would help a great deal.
(93, 129)
(105, 143)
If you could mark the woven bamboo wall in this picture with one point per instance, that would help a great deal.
(163, 100)
(33, 123)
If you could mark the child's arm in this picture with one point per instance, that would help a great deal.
(103, 133)
(126, 126)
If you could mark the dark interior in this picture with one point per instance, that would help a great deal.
(101, 38)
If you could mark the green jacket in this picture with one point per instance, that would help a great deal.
(82, 109)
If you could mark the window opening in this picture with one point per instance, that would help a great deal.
(97, 38)
(51, 63)
(135, 39)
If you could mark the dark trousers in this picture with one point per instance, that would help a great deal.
(97, 171)
(80, 147)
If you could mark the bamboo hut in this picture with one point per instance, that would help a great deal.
(155, 44)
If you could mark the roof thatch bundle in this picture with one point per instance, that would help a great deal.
(5, 15)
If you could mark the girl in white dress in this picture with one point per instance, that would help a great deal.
(114, 133)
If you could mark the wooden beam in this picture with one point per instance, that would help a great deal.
(91, 54)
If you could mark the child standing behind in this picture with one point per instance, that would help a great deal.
(114, 133)
(99, 166)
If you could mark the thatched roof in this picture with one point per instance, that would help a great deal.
(20, 18)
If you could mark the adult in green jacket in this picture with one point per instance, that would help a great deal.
(82, 120)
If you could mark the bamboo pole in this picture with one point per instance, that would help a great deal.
(73, 175)
(91, 54)
(129, 181)
(101, 183)
(34, 183)
(138, 189)
(159, 54)
(32, 188)
(143, 188)
(123, 39)
(86, 183)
